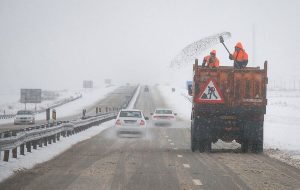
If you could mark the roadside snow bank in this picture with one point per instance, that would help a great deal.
(134, 98)
(47, 153)
(282, 121)
(177, 100)
(89, 98)
(10, 100)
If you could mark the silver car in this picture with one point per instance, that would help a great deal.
(131, 122)
(162, 116)
(24, 117)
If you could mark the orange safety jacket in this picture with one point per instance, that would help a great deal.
(240, 56)
(215, 62)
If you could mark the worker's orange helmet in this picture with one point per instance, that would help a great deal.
(239, 45)
(213, 52)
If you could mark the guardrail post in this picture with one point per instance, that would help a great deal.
(14, 152)
(54, 138)
(22, 152)
(34, 144)
(45, 141)
(58, 136)
(28, 146)
(40, 142)
(49, 140)
(6, 155)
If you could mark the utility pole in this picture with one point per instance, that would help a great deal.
(253, 43)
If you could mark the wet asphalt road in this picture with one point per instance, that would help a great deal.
(160, 160)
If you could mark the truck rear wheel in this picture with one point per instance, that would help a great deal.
(252, 137)
(258, 136)
(202, 147)
(246, 136)
(244, 146)
(194, 142)
(200, 136)
(194, 145)
(205, 146)
(205, 135)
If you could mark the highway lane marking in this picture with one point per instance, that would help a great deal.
(186, 165)
(171, 143)
(179, 155)
(197, 182)
(166, 136)
(175, 148)
(169, 140)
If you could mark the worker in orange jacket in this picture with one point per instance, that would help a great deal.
(239, 56)
(211, 60)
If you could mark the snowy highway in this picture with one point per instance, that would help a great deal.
(161, 160)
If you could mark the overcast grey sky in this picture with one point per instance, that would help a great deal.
(59, 43)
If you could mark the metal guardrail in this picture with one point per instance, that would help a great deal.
(7, 116)
(44, 134)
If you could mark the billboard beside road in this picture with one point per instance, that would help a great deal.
(87, 84)
(31, 96)
(107, 81)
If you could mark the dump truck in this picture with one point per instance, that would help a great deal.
(228, 104)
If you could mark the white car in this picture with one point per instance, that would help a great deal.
(163, 116)
(24, 117)
(131, 122)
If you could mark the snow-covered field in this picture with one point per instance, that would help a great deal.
(282, 121)
(9, 100)
(89, 98)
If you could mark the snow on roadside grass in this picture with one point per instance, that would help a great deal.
(282, 120)
(89, 98)
(9, 100)
(47, 153)
(135, 96)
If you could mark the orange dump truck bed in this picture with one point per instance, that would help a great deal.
(234, 88)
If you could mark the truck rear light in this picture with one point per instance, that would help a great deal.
(118, 122)
(142, 122)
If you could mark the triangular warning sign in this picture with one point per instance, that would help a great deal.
(210, 93)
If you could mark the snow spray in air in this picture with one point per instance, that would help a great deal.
(194, 50)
